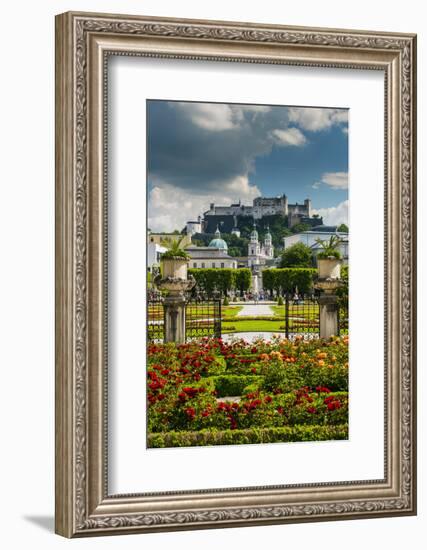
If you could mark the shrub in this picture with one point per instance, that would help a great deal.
(280, 301)
(232, 384)
(226, 301)
(255, 435)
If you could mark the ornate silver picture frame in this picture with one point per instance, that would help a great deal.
(84, 42)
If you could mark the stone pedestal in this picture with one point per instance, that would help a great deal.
(328, 304)
(174, 318)
(176, 282)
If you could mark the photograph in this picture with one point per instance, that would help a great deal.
(247, 273)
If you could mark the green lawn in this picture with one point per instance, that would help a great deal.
(230, 311)
(252, 326)
(305, 311)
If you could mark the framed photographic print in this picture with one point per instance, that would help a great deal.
(235, 274)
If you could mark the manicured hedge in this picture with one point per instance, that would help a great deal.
(233, 384)
(288, 278)
(253, 435)
(221, 279)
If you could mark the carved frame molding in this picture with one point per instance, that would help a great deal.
(83, 43)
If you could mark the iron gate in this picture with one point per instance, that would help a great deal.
(302, 314)
(202, 318)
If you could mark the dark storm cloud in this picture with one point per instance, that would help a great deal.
(188, 148)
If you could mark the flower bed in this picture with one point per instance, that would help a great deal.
(279, 384)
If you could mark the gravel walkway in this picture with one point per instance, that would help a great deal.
(255, 310)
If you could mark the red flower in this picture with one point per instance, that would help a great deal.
(190, 391)
(312, 410)
(280, 410)
(253, 369)
(323, 389)
(190, 412)
(268, 399)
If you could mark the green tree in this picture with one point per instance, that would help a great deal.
(300, 227)
(242, 279)
(297, 255)
(343, 228)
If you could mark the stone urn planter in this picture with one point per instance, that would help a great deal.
(175, 268)
(175, 281)
(329, 268)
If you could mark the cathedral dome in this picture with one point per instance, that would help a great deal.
(217, 242)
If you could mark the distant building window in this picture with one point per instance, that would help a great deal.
(213, 264)
(203, 265)
(152, 240)
(222, 264)
(194, 264)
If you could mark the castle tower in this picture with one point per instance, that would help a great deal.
(307, 204)
(285, 204)
(235, 230)
(268, 244)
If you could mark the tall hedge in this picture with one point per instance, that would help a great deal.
(242, 279)
(221, 279)
(287, 279)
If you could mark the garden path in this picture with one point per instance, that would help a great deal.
(251, 336)
(255, 310)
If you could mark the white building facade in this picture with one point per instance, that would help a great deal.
(154, 253)
(213, 256)
(324, 233)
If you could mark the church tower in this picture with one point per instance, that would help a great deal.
(268, 244)
(253, 247)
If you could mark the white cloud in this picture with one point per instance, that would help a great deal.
(170, 207)
(215, 117)
(255, 108)
(336, 180)
(314, 120)
(335, 215)
(289, 137)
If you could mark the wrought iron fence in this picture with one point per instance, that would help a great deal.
(342, 319)
(155, 317)
(302, 314)
(203, 318)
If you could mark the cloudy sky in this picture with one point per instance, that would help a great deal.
(200, 153)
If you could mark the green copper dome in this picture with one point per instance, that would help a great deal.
(217, 242)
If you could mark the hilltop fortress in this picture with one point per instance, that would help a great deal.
(226, 216)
